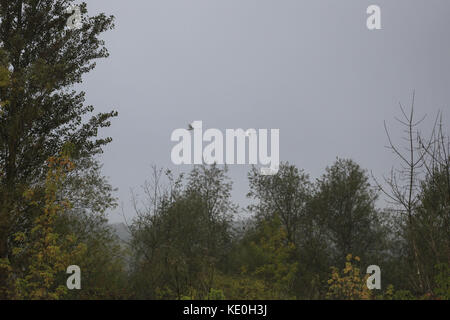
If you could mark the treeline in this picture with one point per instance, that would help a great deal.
(304, 240)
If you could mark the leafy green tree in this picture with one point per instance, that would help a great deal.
(286, 194)
(289, 194)
(40, 112)
(345, 205)
(430, 225)
(181, 236)
(40, 61)
(213, 187)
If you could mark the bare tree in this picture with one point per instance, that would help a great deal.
(402, 187)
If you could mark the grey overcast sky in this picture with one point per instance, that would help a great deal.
(310, 68)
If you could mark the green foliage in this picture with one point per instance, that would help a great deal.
(277, 255)
(285, 194)
(345, 205)
(41, 117)
(40, 61)
(104, 270)
(442, 280)
(47, 252)
(179, 242)
(213, 294)
(350, 284)
(429, 227)
(242, 287)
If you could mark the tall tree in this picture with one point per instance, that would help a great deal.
(181, 234)
(419, 190)
(286, 194)
(345, 205)
(430, 226)
(431, 221)
(41, 59)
